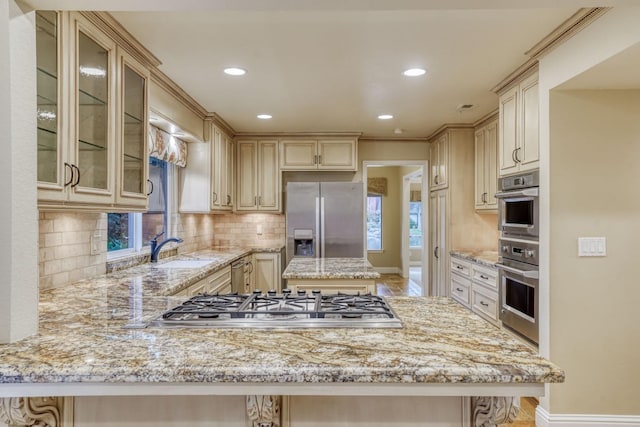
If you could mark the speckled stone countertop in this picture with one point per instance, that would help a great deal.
(82, 339)
(329, 268)
(487, 258)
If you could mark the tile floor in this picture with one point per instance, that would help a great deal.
(396, 285)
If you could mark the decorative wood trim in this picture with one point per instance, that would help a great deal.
(225, 127)
(449, 126)
(486, 119)
(523, 71)
(31, 411)
(264, 411)
(298, 134)
(569, 28)
(391, 139)
(162, 80)
(488, 411)
(123, 38)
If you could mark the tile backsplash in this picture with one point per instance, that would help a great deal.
(65, 239)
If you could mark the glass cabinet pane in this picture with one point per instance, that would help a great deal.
(47, 91)
(93, 113)
(133, 132)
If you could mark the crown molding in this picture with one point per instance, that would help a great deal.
(162, 80)
(221, 123)
(486, 118)
(300, 134)
(563, 32)
(123, 38)
(450, 126)
(391, 139)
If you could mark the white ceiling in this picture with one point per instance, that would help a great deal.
(335, 65)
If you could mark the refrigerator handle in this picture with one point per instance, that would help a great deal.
(322, 227)
(317, 236)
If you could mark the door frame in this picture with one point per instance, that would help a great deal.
(406, 193)
(424, 165)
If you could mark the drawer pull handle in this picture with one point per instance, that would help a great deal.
(482, 276)
(484, 303)
(459, 267)
(459, 289)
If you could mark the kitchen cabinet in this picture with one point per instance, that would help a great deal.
(322, 154)
(438, 242)
(439, 158)
(461, 281)
(518, 127)
(258, 177)
(266, 271)
(476, 287)
(218, 282)
(207, 183)
(92, 118)
(486, 167)
(333, 286)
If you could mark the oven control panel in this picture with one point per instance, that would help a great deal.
(520, 250)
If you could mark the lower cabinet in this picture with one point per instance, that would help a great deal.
(216, 283)
(266, 271)
(346, 286)
(476, 287)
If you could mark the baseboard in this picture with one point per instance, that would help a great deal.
(545, 419)
(388, 270)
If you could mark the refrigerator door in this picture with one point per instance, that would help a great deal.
(341, 219)
(303, 215)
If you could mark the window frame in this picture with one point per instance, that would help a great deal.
(419, 222)
(381, 249)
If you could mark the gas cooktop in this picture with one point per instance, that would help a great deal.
(285, 310)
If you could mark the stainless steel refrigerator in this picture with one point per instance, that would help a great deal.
(325, 219)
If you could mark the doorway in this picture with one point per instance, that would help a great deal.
(396, 226)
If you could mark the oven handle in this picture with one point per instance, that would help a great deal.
(531, 192)
(529, 274)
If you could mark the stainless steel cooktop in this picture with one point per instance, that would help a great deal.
(285, 310)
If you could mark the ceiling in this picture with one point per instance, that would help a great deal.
(336, 65)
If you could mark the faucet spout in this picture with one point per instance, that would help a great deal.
(155, 246)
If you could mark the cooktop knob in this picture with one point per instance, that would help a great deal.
(301, 292)
(271, 293)
(286, 291)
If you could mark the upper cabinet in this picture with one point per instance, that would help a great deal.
(439, 158)
(486, 159)
(321, 154)
(258, 177)
(518, 127)
(92, 118)
(207, 182)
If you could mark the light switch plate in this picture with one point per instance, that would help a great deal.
(592, 246)
(95, 242)
(258, 228)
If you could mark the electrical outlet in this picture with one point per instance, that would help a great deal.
(95, 243)
(258, 229)
(592, 246)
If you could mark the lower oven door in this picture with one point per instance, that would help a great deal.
(519, 298)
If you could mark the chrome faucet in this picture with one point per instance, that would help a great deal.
(155, 246)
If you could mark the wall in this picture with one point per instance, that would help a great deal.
(240, 229)
(390, 150)
(595, 332)
(391, 255)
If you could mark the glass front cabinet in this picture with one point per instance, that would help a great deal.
(92, 118)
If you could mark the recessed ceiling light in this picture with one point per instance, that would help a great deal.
(264, 116)
(413, 72)
(235, 71)
(385, 116)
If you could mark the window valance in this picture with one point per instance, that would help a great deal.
(166, 147)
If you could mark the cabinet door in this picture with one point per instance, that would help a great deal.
(508, 131)
(230, 181)
(528, 153)
(491, 165)
(268, 176)
(247, 178)
(337, 155)
(438, 242)
(133, 160)
(480, 169)
(196, 193)
(217, 175)
(266, 271)
(298, 155)
(439, 157)
(94, 92)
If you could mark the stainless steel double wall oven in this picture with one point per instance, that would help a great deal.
(519, 223)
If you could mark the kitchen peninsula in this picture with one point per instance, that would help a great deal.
(443, 361)
(345, 275)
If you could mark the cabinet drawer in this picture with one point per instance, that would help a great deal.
(198, 288)
(486, 305)
(461, 267)
(460, 289)
(219, 280)
(486, 276)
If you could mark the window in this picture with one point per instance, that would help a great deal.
(415, 224)
(374, 222)
(129, 232)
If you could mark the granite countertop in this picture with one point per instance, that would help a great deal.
(329, 268)
(82, 340)
(484, 257)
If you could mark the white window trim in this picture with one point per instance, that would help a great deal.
(381, 250)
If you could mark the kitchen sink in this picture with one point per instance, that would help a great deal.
(185, 263)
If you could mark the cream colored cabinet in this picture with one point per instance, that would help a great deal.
(461, 281)
(438, 228)
(518, 127)
(323, 154)
(439, 158)
(92, 118)
(258, 177)
(218, 282)
(328, 286)
(207, 183)
(475, 286)
(486, 167)
(266, 271)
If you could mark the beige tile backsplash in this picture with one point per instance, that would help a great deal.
(65, 239)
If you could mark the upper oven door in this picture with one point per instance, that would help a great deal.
(518, 212)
